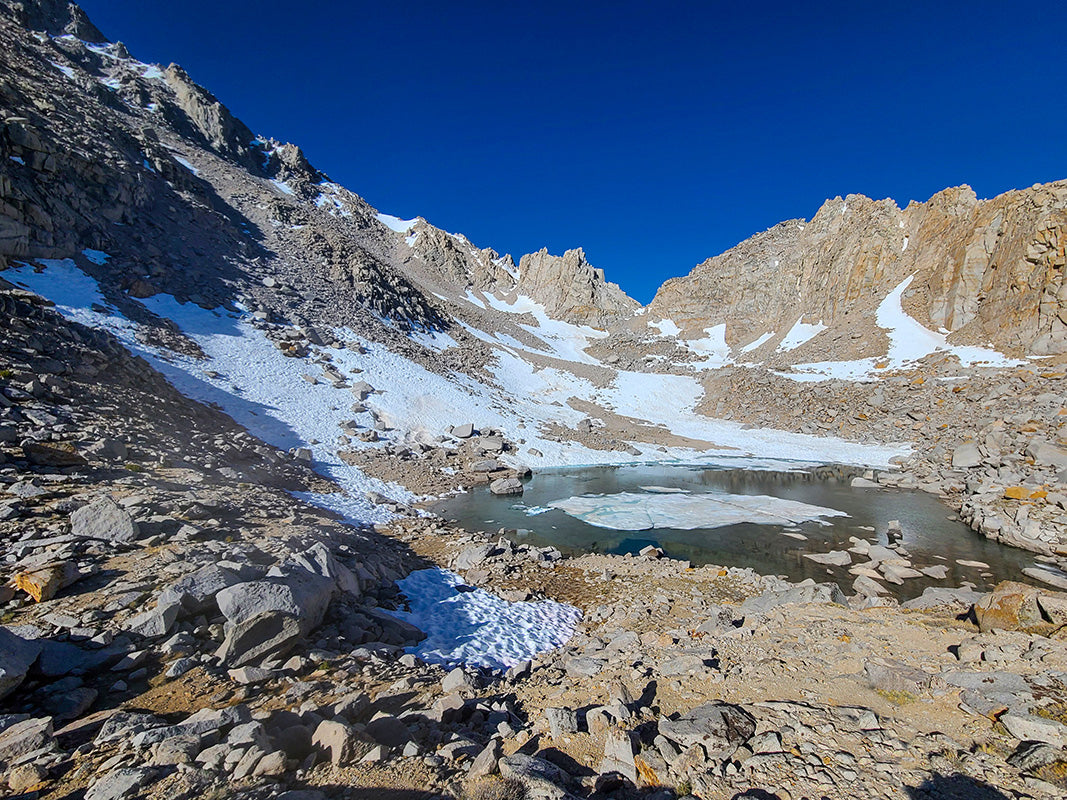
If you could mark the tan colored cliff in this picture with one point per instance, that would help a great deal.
(987, 270)
(572, 289)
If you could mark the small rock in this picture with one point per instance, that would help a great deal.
(561, 721)
(506, 486)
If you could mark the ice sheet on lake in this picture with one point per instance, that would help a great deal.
(627, 511)
(472, 626)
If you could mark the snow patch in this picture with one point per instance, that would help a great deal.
(97, 257)
(395, 223)
(799, 334)
(477, 628)
(562, 340)
(909, 341)
(756, 345)
(666, 327)
(185, 163)
(329, 201)
(251, 380)
(283, 187)
(713, 347)
(438, 341)
(266, 392)
(64, 69)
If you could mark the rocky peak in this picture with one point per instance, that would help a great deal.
(459, 263)
(572, 289)
(55, 17)
(209, 120)
(287, 162)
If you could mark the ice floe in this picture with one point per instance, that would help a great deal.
(629, 511)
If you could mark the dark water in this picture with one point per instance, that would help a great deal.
(931, 533)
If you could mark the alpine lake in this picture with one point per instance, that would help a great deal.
(736, 517)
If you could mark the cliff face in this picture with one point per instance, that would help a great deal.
(572, 289)
(56, 17)
(987, 270)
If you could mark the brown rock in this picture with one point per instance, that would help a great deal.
(52, 454)
(26, 778)
(142, 289)
(43, 584)
(1012, 606)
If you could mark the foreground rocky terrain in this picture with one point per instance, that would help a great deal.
(200, 566)
(179, 624)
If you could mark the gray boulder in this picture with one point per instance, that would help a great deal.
(540, 778)
(204, 722)
(16, 657)
(619, 751)
(195, 592)
(803, 593)
(966, 456)
(25, 737)
(717, 727)
(269, 616)
(561, 721)
(1046, 454)
(472, 556)
(320, 561)
(464, 431)
(120, 784)
(154, 622)
(362, 389)
(103, 519)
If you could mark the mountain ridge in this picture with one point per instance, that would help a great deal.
(990, 271)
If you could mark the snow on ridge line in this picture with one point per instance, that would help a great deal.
(396, 224)
(478, 628)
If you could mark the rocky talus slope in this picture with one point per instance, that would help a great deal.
(181, 617)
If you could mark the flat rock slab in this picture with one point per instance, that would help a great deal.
(835, 558)
(717, 727)
(103, 519)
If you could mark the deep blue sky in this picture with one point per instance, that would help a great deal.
(654, 135)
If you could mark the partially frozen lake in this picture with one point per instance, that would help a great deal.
(742, 518)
